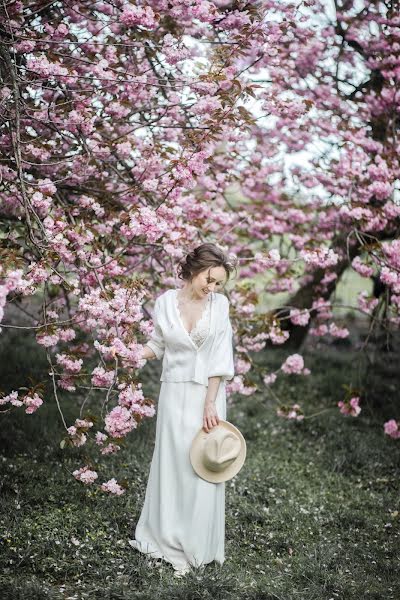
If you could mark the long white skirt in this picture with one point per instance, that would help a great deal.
(183, 516)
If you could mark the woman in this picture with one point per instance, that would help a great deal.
(183, 516)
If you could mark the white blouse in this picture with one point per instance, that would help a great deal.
(205, 352)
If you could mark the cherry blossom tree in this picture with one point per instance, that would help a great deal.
(124, 128)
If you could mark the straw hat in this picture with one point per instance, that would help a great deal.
(218, 455)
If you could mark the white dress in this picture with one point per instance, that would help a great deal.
(183, 516)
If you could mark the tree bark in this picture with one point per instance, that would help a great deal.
(304, 297)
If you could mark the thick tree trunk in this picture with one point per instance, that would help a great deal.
(304, 297)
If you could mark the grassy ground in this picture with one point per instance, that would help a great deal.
(313, 515)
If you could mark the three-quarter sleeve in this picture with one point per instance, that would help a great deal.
(156, 341)
(221, 359)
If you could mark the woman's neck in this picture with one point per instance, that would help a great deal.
(188, 294)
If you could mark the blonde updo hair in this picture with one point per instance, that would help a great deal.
(203, 257)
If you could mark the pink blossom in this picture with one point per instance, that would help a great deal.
(362, 268)
(117, 110)
(290, 412)
(299, 317)
(66, 335)
(12, 398)
(268, 259)
(132, 397)
(323, 309)
(236, 385)
(206, 105)
(83, 423)
(111, 486)
(124, 149)
(293, 413)
(283, 284)
(37, 274)
(254, 343)
(278, 336)
(269, 379)
(365, 302)
(320, 257)
(388, 276)
(69, 364)
(137, 15)
(66, 383)
(234, 20)
(174, 53)
(41, 203)
(102, 378)
(319, 331)
(242, 366)
(392, 428)
(150, 185)
(100, 438)
(184, 175)
(381, 189)
(42, 66)
(328, 277)
(350, 407)
(145, 222)
(32, 403)
(111, 448)
(61, 30)
(16, 281)
(391, 210)
(25, 46)
(47, 187)
(92, 204)
(119, 422)
(357, 213)
(85, 475)
(78, 438)
(204, 11)
(293, 364)
(392, 251)
(339, 332)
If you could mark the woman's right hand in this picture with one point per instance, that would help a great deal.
(210, 416)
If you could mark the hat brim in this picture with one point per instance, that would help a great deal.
(196, 453)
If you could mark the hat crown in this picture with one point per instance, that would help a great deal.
(218, 455)
(221, 449)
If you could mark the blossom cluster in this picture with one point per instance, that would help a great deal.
(30, 402)
(350, 407)
(392, 428)
(290, 412)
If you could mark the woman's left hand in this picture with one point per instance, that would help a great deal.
(210, 416)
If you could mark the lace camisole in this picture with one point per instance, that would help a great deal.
(201, 329)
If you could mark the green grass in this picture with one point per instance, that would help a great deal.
(313, 515)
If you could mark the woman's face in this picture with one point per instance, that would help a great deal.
(210, 280)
